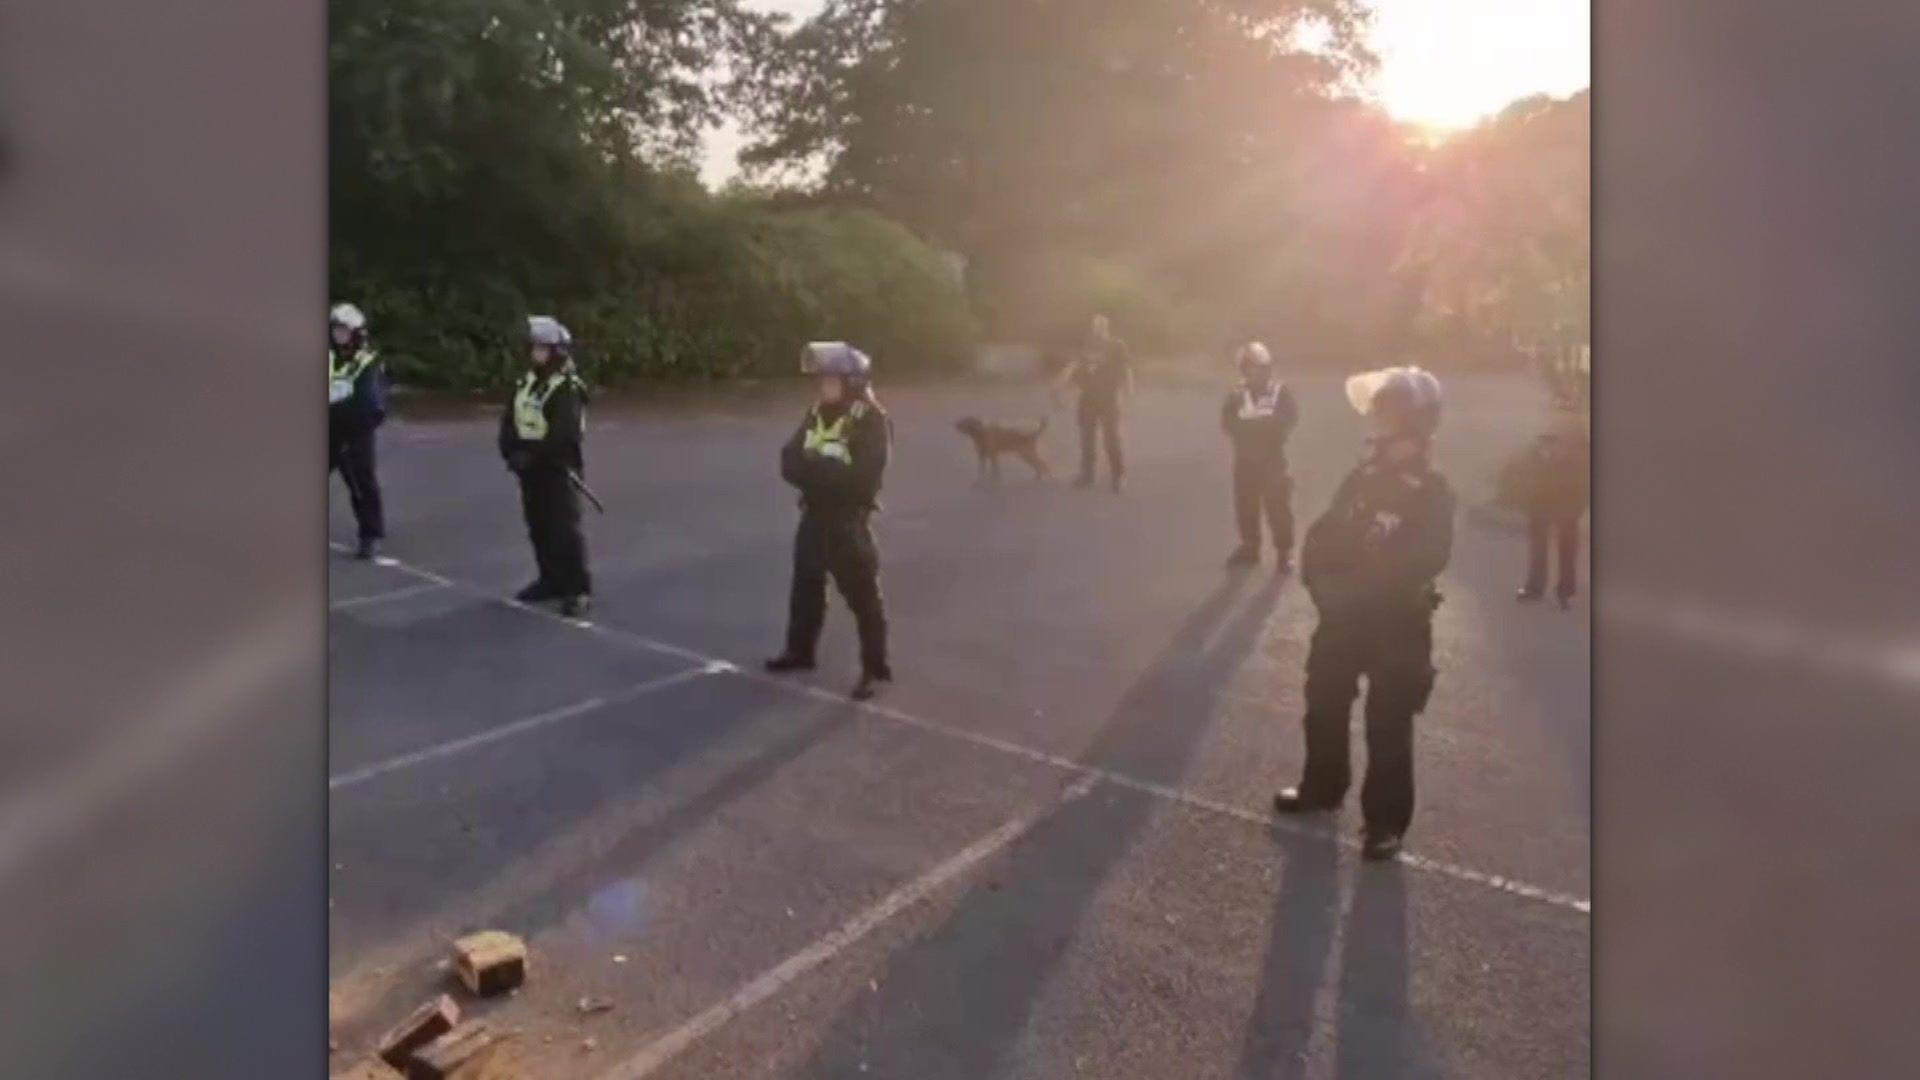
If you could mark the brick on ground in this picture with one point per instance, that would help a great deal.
(490, 962)
(472, 1051)
(425, 1024)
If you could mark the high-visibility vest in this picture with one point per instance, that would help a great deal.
(1261, 407)
(530, 403)
(829, 440)
(341, 376)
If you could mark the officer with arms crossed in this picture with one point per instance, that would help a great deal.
(541, 434)
(1369, 564)
(356, 407)
(1258, 416)
(836, 460)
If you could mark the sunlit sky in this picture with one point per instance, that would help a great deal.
(1443, 63)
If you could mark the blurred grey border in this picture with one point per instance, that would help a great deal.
(162, 834)
(1757, 538)
(162, 794)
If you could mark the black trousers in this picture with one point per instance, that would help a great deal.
(1100, 416)
(839, 545)
(1263, 488)
(1563, 531)
(350, 453)
(1396, 658)
(552, 510)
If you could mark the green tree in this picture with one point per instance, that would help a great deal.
(492, 157)
(1503, 241)
(1148, 142)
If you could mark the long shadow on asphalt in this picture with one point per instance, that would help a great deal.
(1306, 912)
(631, 854)
(1373, 1025)
(1377, 1031)
(627, 855)
(955, 1003)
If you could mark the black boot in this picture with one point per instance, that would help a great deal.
(869, 684)
(788, 661)
(1293, 801)
(1380, 847)
(536, 592)
(575, 606)
(369, 547)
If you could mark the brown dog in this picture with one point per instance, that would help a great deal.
(992, 440)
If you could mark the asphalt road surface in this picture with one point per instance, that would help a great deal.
(1046, 851)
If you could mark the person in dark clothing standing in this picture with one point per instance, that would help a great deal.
(1104, 376)
(541, 435)
(1557, 478)
(356, 407)
(837, 459)
(1258, 416)
(1369, 563)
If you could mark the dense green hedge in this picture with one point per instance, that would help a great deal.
(710, 288)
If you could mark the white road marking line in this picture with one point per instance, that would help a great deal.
(220, 693)
(381, 598)
(1766, 638)
(667, 1046)
(1266, 821)
(520, 727)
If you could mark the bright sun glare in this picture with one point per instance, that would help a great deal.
(1445, 64)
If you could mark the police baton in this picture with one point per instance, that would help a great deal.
(581, 486)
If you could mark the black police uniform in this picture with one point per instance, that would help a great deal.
(838, 497)
(1101, 375)
(1557, 491)
(1369, 563)
(357, 396)
(1258, 421)
(552, 403)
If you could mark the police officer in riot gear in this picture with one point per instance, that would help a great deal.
(541, 434)
(1369, 564)
(1104, 375)
(356, 407)
(1556, 484)
(1258, 416)
(836, 460)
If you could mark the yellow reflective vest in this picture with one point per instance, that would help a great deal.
(829, 440)
(341, 375)
(530, 403)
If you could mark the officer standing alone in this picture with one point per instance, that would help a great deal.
(1369, 564)
(1104, 376)
(837, 459)
(1557, 479)
(1258, 416)
(541, 437)
(356, 407)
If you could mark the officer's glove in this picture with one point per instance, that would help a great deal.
(517, 461)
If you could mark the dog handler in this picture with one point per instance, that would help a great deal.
(1369, 564)
(1104, 374)
(836, 460)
